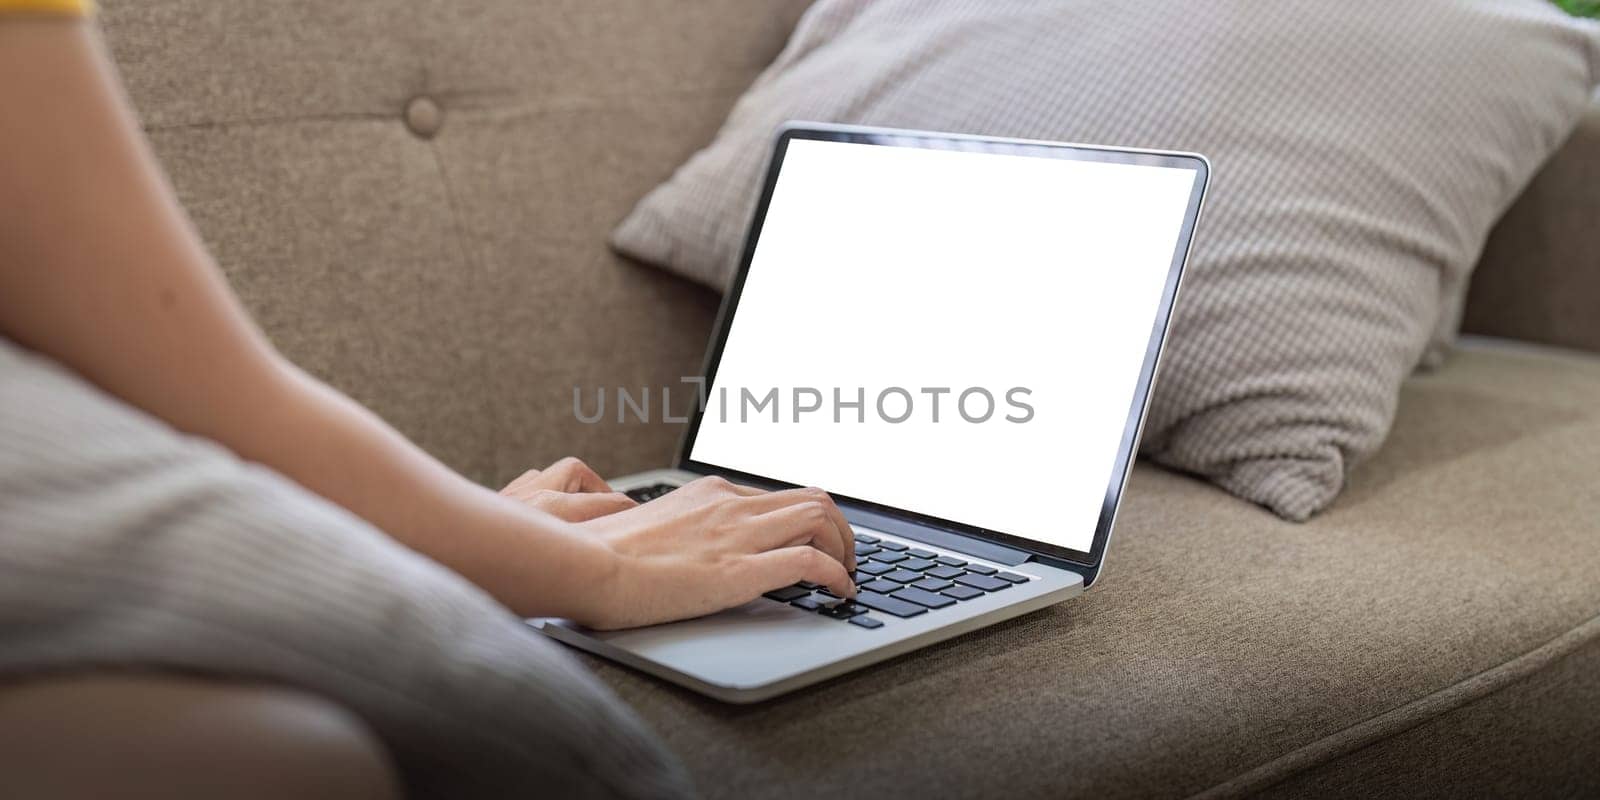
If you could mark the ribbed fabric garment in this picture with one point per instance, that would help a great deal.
(124, 544)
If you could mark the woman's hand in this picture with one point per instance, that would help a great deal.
(701, 548)
(712, 545)
(568, 489)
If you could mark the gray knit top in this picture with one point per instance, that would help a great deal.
(124, 544)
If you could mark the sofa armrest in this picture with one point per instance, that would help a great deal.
(1539, 278)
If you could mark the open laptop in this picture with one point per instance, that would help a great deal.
(955, 336)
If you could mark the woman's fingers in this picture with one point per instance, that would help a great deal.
(805, 523)
(523, 487)
(842, 546)
(787, 566)
(582, 507)
(571, 475)
(567, 475)
(568, 489)
(718, 486)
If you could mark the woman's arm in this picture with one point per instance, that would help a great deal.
(101, 270)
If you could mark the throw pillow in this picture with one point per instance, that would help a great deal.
(1362, 151)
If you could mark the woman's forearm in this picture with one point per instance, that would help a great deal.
(100, 270)
(534, 563)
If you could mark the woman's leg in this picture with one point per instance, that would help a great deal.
(135, 736)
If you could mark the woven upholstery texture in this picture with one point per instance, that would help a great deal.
(1361, 151)
(1227, 649)
(1539, 278)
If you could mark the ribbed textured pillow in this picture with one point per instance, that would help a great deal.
(1361, 152)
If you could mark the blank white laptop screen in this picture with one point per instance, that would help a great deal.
(893, 289)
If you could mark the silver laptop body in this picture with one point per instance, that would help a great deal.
(1103, 231)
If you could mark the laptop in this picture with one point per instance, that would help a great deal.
(955, 336)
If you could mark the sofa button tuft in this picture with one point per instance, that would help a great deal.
(424, 117)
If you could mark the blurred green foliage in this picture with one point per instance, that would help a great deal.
(1581, 8)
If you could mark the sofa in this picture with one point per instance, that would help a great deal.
(413, 200)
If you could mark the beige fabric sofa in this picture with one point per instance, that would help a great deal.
(413, 198)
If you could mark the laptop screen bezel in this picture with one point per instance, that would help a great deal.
(1089, 559)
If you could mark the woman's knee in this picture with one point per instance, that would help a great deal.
(132, 736)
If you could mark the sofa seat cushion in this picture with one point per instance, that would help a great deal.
(1229, 650)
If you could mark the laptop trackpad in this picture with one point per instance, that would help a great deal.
(751, 645)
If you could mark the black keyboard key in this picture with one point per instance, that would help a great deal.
(983, 582)
(951, 561)
(866, 621)
(866, 537)
(916, 564)
(960, 592)
(933, 584)
(874, 568)
(923, 598)
(1013, 577)
(807, 603)
(928, 599)
(864, 549)
(888, 557)
(889, 605)
(880, 586)
(645, 494)
(809, 585)
(917, 552)
(787, 593)
(904, 576)
(981, 569)
(888, 545)
(946, 573)
(844, 610)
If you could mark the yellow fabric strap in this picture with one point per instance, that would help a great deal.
(75, 7)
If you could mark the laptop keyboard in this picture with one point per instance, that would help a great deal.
(891, 578)
(899, 580)
(645, 494)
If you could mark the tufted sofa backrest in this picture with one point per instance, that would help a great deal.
(413, 196)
